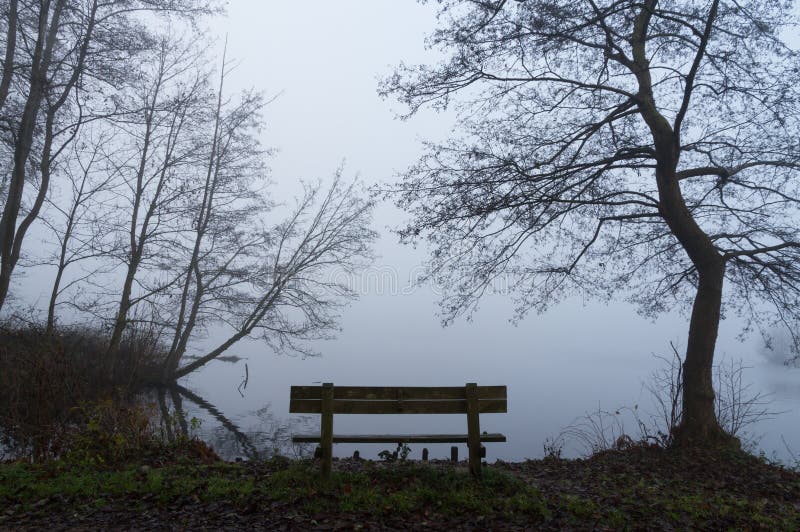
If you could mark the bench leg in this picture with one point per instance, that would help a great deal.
(326, 429)
(473, 430)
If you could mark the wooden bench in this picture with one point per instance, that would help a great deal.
(327, 400)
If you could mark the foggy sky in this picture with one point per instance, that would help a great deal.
(324, 60)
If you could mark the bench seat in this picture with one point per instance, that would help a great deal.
(398, 438)
(328, 400)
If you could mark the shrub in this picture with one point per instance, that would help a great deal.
(45, 377)
(738, 406)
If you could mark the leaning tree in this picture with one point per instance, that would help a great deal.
(615, 147)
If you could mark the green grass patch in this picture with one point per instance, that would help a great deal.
(615, 492)
(406, 490)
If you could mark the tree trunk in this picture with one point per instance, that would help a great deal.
(121, 319)
(176, 373)
(136, 246)
(11, 46)
(699, 425)
(23, 143)
(11, 238)
(51, 307)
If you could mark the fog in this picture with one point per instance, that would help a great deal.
(322, 61)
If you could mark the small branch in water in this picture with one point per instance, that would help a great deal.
(243, 384)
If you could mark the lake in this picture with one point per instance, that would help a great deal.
(576, 359)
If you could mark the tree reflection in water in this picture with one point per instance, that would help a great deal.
(267, 437)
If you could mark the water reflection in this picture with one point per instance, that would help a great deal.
(265, 435)
(177, 412)
(547, 389)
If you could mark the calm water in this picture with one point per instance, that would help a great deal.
(572, 361)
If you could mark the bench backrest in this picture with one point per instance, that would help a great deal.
(397, 399)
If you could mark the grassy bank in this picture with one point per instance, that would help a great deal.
(633, 489)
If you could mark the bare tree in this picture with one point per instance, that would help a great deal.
(616, 146)
(291, 289)
(225, 212)
(58, 55)
(154, 161)
(193, 226)
(78, 222)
